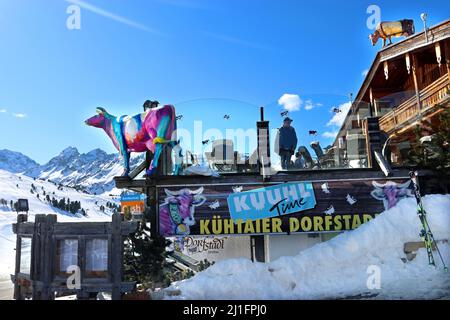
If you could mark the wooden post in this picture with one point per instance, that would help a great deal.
(17, 290)
(416, 83)
(81, 259)
(116, 256)
(42, 257)
(48, 261)
(447, 56)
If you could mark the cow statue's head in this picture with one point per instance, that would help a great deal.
(374, 37)
(390, 192)
(98, 121)
(186, 201)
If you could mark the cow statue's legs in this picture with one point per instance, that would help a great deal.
(126, 163)
(175, 145)
(176, 148)
(154, 162)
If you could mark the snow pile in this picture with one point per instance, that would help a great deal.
(341, 267)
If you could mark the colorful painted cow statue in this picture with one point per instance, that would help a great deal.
(387, 30)
(148, 131)
(176, 214)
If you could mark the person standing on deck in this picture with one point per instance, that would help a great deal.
(287, 143)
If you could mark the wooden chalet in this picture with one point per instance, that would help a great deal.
(407, 85)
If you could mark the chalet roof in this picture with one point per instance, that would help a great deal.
(418, 40)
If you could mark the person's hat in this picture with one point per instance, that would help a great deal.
(147, 104)
(287, 119)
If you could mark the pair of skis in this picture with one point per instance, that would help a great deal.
(425, 233)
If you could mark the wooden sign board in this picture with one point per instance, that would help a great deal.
(338, 205)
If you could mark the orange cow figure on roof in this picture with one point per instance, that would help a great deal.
(387, 30)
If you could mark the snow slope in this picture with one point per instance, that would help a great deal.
(15, 186)
(341, 267)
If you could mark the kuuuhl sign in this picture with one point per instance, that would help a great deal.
(294, 207)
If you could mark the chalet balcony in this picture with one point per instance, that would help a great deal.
(400, 118)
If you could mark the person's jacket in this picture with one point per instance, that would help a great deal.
(287, 139)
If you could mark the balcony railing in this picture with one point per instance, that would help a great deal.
(432, 95)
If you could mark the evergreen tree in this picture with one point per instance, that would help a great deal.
(435, 152)
(62, 204)
(145, 257)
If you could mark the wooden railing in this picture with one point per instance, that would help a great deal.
(408, 110)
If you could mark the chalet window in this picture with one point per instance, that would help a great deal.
(25, 255)
(96, 258)
(66, 255)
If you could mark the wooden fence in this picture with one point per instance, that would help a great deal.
(82, 258)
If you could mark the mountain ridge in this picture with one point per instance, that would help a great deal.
(92, 172)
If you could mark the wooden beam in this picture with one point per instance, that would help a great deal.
(416, 84)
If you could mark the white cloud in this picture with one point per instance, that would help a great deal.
(3, 111)
(338, 118)
(330, 134)
(309, 105)
(19, 115)
(365, 72)
(290, 102)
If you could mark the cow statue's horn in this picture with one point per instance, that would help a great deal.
(377, 185)
(171, 193)
(100, 110)
(198, 191)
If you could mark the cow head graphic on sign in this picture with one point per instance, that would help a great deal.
(390, 192)
(176, 213)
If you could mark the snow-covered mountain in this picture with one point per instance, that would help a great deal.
(92, 172)
(16, 162)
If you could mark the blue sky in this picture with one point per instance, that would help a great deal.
(239, 53)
